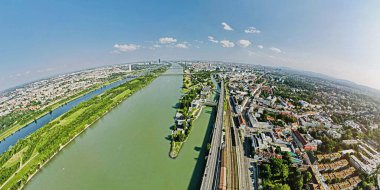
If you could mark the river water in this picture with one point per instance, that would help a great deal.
(128, 148)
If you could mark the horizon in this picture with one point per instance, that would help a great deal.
(136, 62)
(43, 39)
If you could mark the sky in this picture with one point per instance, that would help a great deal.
(339, 38)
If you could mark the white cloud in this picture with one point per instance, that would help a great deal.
(212, 39)
(227, 27)
(184, 46)
(155, 46)
(244, 43)
(277, 50)
(260, 46)
(252, 30)
(126, 47)
(227, 44)
(167, 40)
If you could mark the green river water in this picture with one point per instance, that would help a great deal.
(128, 148)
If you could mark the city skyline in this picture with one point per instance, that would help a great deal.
(42, 39)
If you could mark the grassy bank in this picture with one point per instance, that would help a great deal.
(175, 148)
(16, 168)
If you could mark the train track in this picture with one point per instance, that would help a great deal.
(232, 177)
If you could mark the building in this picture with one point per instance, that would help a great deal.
(242, 123)
(300, 140)
(350, 142)
(359, 165)
(195, 104)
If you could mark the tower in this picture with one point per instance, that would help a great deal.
(130, 68)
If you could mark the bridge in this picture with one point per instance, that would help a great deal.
(210, 179)
(173, 74)
(210, 103)
(178, 73)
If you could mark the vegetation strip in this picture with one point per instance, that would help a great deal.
(197, 87)
(22, 161)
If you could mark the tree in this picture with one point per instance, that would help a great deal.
(279, 186)
(181, 137)
(307, 177)
(265, 171)
(295, 179)
(277, 150)
(276, 166)
(208, 146)
(302, 130)
(284, 172)
(298, 180)
(286, 158)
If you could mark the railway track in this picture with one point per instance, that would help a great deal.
(232, 177)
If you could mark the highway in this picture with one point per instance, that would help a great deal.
(210, 179)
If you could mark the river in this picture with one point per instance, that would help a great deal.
(128, 148)
(42, 121)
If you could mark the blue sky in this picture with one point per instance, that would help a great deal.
(43, 38)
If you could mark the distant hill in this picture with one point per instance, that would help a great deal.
(341, 82)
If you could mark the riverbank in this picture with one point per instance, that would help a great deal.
(47, 161)
(175, 147)
(35, 116)
(197, 88)
(64, 129)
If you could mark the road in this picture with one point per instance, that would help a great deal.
(210, 179)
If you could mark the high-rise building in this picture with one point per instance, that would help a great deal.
(130, 68)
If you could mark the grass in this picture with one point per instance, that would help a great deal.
(14, 179)
(121, 95)
(72, 117)
(15, 158)
(175, 148)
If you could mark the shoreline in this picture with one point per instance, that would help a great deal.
(60, 148)
(175, 147)
(174, 155)
(41, 165)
